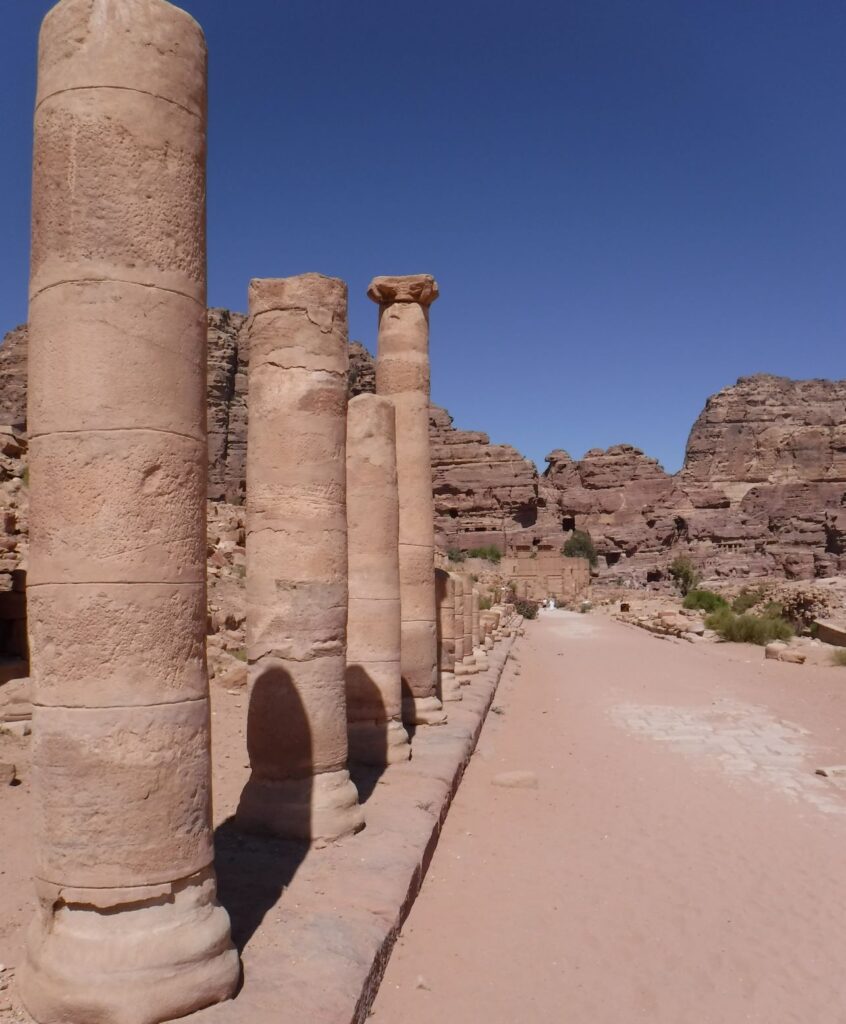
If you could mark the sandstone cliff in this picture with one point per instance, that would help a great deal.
(762, 490)
(769, 430)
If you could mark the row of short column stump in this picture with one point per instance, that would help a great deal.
(352, 636)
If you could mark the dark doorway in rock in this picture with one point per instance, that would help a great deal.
(526, 515)
(654, 576)
(613, 557)
(568, 523)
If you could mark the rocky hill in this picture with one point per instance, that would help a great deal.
(762, 490)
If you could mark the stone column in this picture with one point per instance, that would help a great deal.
(128, 928)
(299, 786)
(445, 602)
(402, 374)
(470, 666)
(458, 591)
(374, 690)
(478, 650)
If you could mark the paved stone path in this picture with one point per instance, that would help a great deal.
(678, 863)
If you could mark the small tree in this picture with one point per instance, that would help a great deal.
(580, 545)
(684, 573)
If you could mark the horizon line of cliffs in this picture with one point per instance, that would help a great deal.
(762, 491)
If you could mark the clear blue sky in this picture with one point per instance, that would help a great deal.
(627, 204)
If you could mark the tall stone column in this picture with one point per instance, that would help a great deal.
(128, 928)
(478, 650)
(470, 666)
(458, 592)
(374, 690)
(445, 603)
(299, 786)
(402, 374)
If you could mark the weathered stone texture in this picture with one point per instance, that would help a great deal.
(227, 404)
(127, 926)
(13, 367)
(296, 551)
(769, 430)
(483, 492)
(761, 491)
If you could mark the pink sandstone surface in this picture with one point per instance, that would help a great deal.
(761, 492)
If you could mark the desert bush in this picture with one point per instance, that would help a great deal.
(704, 600)
(455, 555)
(746, 599)
(491, 553)
(838, 657)
(580, 545)
(684, 573)
(528, 609)
(747, 628)
(801, 607)
(485, 604)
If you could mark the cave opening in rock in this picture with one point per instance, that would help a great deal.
(568, 523)
(526, 515)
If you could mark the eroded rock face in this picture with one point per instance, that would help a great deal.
(769, 430)
(484, 493)
(762, 491)
(227, 404)
(13, 363)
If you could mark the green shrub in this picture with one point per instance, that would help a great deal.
(580, 545)
(491, 553)
(838, 657)
(773, 610)
(240, 654)
(455, 555)
(528, 609)
(748, 629)
(684, 573)
(485, 604)
(746, 599)
(705, 600)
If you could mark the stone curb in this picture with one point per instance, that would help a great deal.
(320, 924)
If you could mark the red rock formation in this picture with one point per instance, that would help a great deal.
(769, 430)
(762, 490)
(484, 493)
(13, 352)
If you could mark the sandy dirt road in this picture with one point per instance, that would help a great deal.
(678, 863)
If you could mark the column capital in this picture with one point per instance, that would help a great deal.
(420, 288)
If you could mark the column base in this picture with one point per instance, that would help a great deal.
(322, 806)
(378, 743)
(481, 658)
(130, 956)
(450, 687)
(423, 711)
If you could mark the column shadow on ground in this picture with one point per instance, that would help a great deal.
(254, 868)
(366, 694)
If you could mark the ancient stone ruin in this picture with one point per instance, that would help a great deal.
(736, 513)
(350, 501)
(374, 633)
(297, 562)
(402, 374)
(128, 926)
